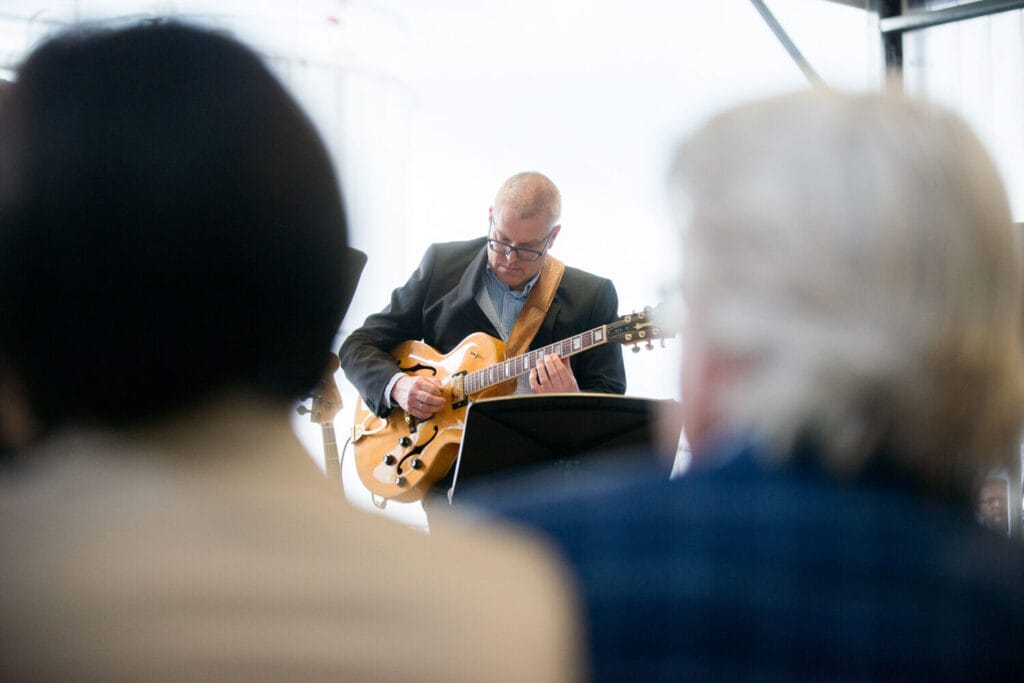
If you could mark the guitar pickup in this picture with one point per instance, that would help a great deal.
(458, 390)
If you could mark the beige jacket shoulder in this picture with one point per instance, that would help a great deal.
(120, 564)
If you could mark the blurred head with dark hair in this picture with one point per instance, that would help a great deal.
(172, 228)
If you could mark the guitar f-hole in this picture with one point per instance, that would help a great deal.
(416, 368)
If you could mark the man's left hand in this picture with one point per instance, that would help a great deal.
(553, 375)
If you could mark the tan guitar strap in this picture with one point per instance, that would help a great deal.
(535, 308)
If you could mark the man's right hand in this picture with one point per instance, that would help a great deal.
(421, 397)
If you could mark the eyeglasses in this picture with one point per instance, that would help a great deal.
(522, 253)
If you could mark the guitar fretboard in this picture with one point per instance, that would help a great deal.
(332, 464)
(522, 364)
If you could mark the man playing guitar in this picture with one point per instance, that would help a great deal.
(483, 285)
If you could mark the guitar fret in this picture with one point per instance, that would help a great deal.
(520, 365)
(332, 464)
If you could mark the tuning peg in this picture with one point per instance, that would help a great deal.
(636, 348)
(649, 345)
(302, 410)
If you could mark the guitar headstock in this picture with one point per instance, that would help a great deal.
(635, 328)
(326, 397)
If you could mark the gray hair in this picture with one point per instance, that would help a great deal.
(529, 194)
(855, 256)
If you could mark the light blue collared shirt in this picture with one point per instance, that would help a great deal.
(506, 302)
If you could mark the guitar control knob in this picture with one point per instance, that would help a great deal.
(389, 459)
(399, 480)
(405, 442)
(416, 463)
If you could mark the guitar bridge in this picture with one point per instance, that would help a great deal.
(458, 390)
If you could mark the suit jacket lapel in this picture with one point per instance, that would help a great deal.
(472, 278)
(462, 314)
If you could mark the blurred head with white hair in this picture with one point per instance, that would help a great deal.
(853, 282)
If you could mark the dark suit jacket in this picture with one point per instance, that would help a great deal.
(437, 305)
(756, 573)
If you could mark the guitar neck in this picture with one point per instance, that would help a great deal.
(332, 464)
(522, 364)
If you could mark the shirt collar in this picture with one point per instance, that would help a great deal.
(506, 289)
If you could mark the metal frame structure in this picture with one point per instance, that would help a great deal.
(898, 22)
(787, 43)
(894, 20)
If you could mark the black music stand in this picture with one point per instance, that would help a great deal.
(556, 432)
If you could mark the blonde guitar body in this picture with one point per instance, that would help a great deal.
(399, 457)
